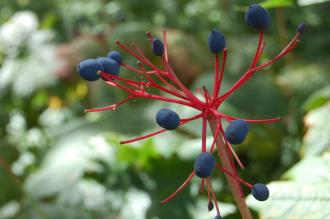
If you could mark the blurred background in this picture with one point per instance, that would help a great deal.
(58, 162)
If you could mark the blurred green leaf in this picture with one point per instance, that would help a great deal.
(317, 99)
(277, 3)
(311, 169)
(317, 138)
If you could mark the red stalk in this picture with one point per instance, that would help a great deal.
(111, 107)
(234, 176)
(182, 122)
(179, 189)
(209, 185)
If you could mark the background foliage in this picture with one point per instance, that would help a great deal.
(57, 162)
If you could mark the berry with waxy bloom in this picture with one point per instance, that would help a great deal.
(109, 66)
(165, 80)
(157, 47)
(257, 17)
(204, 165)
(216, 41)
(115, 55)
(237, 131)
(167, 119)
(89, 68)
(260, 192)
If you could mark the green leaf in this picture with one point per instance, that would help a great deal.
(317, 138)
(277, 3)
(317, 99)
(311, 169)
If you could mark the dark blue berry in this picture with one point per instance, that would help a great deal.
(167, 119)
(157, 47)
(210, 206)
(301, 27)
(237, 131)
(217, 42)
(88, 69)
(218, 217)
(115, 55)
(204, 165)
(260, 192)
(257, 17)
(109, 66)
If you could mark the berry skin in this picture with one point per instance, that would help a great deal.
(115, 55)
(260, 192)
(167, 119)
(204, 165)
(88, 69)
(237, 131)
(257, 17)
(157, 47)
(109, 66)
(218, 217)
(210, 206)
(301, 27)
(216, 41)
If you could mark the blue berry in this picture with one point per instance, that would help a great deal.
(210, 206)
(88, 69)
(237, 131)
(260, 192)
(204, 165)
(301, 27)
(115, 55)
(109, 66)
(157, 47)
(257, 17)
(167, 119)
(217, 42)
(218, 217)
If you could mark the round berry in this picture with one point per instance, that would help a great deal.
(204, 165)
(157, 47)
(237, 131)
(115, 55)
(301, 27)
(88, 69)
(217, 42)
(257, 17)
(218, 217)
(167, 119)
(210, 206)
(109, 66)
(260, 192)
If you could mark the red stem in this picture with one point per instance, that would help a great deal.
(234, 176)
(179, 189)
(112, 107)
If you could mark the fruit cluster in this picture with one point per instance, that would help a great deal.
(165, 80)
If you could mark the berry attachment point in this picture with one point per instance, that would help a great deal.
(257, 17)
(204, 165)
(260, 192)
